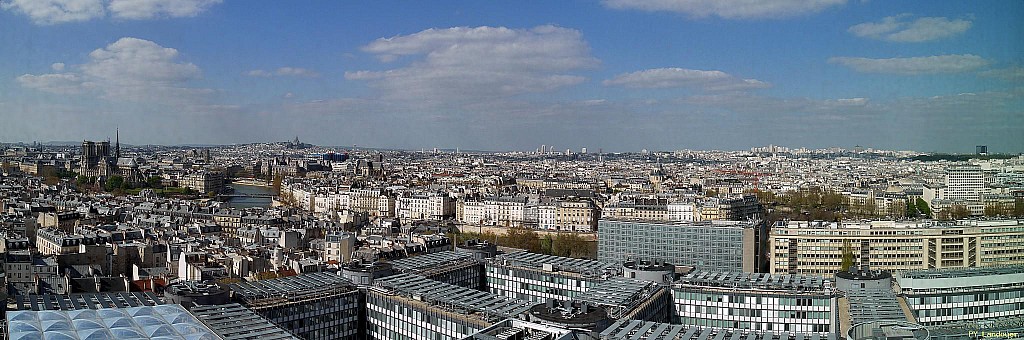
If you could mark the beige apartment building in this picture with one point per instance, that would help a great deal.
(816, 247)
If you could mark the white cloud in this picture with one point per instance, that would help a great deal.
(129, 69)
(680, 77)
(729, 9)
(1012, 73)
(55, 83)
(895, 28)
(951, 63)
(481, 62)
(284, 72)
(49, 12)
(57, 67)
(148, 9)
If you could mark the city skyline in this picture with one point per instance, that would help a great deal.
(621, 75)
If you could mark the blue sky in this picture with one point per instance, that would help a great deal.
(621, 75)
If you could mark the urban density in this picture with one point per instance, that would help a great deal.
(512, 170)
(292, 240)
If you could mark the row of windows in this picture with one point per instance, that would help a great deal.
(766, 326)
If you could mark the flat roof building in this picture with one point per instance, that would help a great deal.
(408, 306)
(756, 302)
(816, 247)
(538, 277)
(708, 245)
(942, 296)
(310, 306)
(453, 267)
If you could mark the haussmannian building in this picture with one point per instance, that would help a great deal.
(756, 302)
(816, 248)
(707, 245)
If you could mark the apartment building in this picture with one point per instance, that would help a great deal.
(816, 247)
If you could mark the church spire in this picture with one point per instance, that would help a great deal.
(117, 142)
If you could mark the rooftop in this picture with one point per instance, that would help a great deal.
(755, 281)
(454, 298)
(557, 263)
(86, 301)
(637, 330)
(292, 287)
(432, 260)
(234, 321)
(145, 322)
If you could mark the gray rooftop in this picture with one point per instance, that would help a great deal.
(455, 298)
(432, 260)
(960, 272)
(621, 293)
(86, 301)
(755, 281)
(234, 321)
(565, 264)
(646, 330)
(292, 287)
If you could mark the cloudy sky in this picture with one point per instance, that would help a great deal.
(621, 75)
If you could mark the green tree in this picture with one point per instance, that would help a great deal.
(848, 257)
(154, 182)
(277, 184)
(522, 238)
(923, 208)
(114, 182)
(912, 211)
(1018, 207)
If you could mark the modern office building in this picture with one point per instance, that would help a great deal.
(623, 298)
(408, 306)
(519, 329)
(942, 296)
(708, 245)
(646, 330)
(816, 248)
(537, 277)
(756, 302)
(965, 185)
(452, 267)
(310, 306)
(869, 304)
(235, 322)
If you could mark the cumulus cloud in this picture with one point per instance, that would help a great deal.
(284, 72)
(480, 62)
(129, 69)
(898, 29)
(680, 77)
(57, 67)
(729, 9)
(49, 12)
(148, 9)
(950, 63)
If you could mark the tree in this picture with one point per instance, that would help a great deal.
(848, 257)
(114, 182)
(993, 210)
(944, 215)
(711, 193)
(277, 184)
(912, 209)
(1018, 207)
(923, 208)
(960, 212)
(154, 182)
